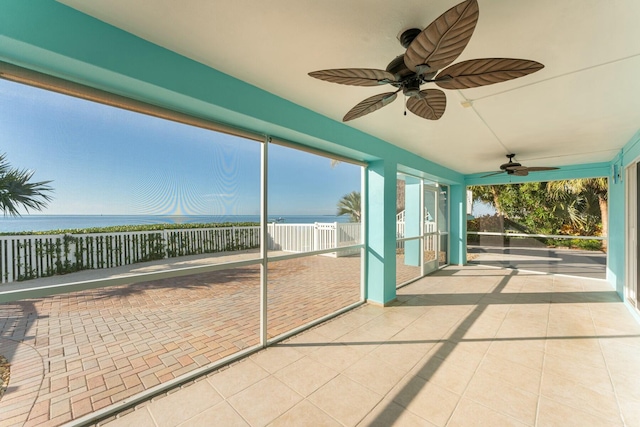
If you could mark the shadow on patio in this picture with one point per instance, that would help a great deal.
(573, 262)
(464, 346)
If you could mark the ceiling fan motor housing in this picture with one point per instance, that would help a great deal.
(411, 87)
(407, 36)
(398, 68)
(509, 166)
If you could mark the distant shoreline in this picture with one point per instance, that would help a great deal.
(56, 224)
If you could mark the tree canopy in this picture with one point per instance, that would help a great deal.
(575, 207)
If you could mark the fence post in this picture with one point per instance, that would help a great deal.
(165, 243)
(234, 241)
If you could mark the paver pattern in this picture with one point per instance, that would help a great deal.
(100, 346)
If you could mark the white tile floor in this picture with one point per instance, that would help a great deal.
(465, 346)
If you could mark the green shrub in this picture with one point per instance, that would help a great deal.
(128, 228)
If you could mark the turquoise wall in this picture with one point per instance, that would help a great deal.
(617, 214)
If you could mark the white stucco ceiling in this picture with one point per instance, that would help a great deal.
(581, 108)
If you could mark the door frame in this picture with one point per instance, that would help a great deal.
(433, 265)
(631, 231)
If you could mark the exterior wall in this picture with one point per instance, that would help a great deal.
(617, 215)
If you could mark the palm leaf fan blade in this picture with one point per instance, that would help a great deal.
(354, 76)
(483, 72)
(429, 104)
(370, 105)
(444, 39)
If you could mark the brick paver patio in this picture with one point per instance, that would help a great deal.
(75, 353)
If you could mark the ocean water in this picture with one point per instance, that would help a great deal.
(60, 222)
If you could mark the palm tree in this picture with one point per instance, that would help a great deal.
(16, 190)
(349, 204)
(586, 193)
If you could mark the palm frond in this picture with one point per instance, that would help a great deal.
(16, 190)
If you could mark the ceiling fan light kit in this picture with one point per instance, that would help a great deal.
(427, 52)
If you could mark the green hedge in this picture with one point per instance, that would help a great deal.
(128, 228)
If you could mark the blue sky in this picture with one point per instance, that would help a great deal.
(103, 160)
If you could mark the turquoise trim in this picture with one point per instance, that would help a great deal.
(630, 151)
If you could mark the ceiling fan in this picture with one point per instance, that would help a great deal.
(428, 51)
(515, 168)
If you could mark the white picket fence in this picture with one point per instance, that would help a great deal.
(313, 237)
(31, 256)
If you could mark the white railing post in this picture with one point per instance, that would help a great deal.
(316, 237)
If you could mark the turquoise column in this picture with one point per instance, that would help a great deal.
(412, 221)
(458, 221)
(380, 211)
(617, 240)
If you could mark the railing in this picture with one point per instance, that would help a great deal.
(490, 238)
(32, 256)
(583, 256)
(498, 238)
(429, 228)
(291, 237)
(541, 236)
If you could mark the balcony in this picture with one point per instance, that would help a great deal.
(464, 345)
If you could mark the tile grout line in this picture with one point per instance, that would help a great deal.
(544, 355)
(613, 386)
(590, 413)
(462, 395)
(441, 340)
(151, 415)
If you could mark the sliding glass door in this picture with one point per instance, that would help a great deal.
(430, 227)
(408, 229)
(422, 228)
